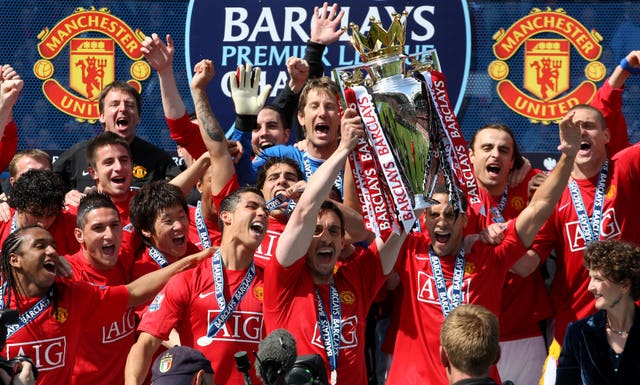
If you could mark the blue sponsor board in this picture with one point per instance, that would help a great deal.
(267, 33)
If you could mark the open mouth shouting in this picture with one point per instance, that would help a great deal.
(493, 169)
(321, 130)
(585, 148)
(50, 265)
(257, 228)
(325, 255)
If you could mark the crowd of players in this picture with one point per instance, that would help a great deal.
(275, 239)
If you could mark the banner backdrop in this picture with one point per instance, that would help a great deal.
(519, 63)
(267, 33)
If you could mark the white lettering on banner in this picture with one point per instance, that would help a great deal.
(427, 292)
(348, 334)
(242, 326)
(610, 228)
(46, 354)
(385, 157)
(294, 27)
(119, 329)
(267, 248)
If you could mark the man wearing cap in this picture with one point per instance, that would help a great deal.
(182, 365)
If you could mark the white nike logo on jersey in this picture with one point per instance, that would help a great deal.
(205, 295)
(85, 173)
(564, 206)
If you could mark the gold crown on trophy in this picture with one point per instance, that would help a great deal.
(380, 43)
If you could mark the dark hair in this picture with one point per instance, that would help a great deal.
(39, 191)
(92, 201)
(284, 121)
(270, 162)
(230, 202)
(152, 198)
(518, 160)
(330, 206)
(618, 261)
(442, 189)
(104, 139)
(34, 153)
(122, 86)
(598, 113)
(321, 84)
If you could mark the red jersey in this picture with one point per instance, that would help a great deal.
(53, 341)
(188, 303)
(61, 230)
(267, 249)
(525, 300)
(416, 353)
(569, 295)
(100, 359)
(8, 144)
(609, 101)
(187, 134)
(290, 303)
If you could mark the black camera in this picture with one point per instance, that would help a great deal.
(12, 366)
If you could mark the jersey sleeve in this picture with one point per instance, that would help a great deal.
(8, 144)
(280, 282)
(609, 101)
(167, 308)
(187, 134)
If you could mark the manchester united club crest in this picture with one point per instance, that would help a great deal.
(548, 38)
(93, 37)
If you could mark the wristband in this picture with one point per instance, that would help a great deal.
(624, 64)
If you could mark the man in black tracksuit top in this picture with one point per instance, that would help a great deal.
(120, 108)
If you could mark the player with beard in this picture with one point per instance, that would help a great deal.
(429, 269)
(525, 302)
(305, 293)
(120, 107)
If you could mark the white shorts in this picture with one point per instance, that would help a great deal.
(521, 361)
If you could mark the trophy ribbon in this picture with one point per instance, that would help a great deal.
(374, 201)
(453, 146)
(401, 197)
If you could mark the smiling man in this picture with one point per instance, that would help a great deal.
(120, 107)
(193, 302)
(159, 213)
(99, 359)
(55, 313)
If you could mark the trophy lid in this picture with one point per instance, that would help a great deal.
(378, 42)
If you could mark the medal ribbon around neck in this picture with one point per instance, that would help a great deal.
(590, 226)
(448, 303)
(330, 330)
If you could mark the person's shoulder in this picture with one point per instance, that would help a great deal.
(76, 150)
(147, 148)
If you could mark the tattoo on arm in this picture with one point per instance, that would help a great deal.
(209, 122)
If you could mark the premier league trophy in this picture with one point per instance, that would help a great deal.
(410, 138)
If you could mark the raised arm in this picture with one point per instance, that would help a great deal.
(144, 288)
(139, 359)
(192, 174)
(541, 206)
(210, 129)
(297, 235)
(10, 87)
(160, 57)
